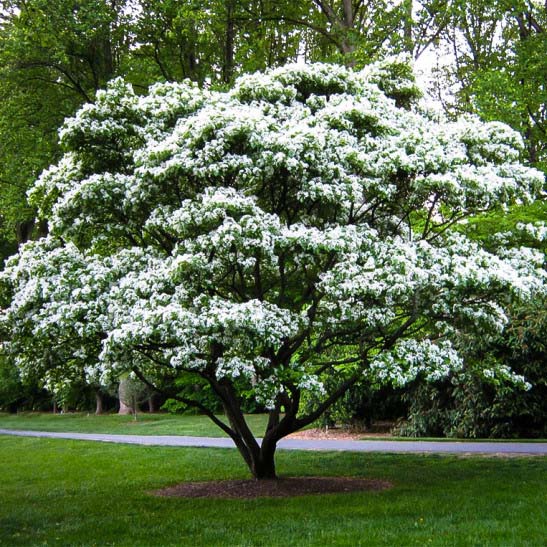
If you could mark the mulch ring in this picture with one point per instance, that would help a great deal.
(278, 488)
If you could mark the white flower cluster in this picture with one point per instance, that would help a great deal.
(410, 358)
(391, 277)
(499, 373)
(537, 231)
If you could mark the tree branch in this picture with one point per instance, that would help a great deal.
(299, 423)
(186, 401)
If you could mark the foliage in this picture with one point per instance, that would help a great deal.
(196, 389)
(53, 56)
(11, 389)
(212, 41)
(28, 124)
(17, 393)
(258, 238)
(76, 46)
(471, 404)
(497, 67)
(360, 406)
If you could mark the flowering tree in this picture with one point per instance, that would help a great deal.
(262, 238)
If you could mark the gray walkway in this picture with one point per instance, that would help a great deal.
(447, 447)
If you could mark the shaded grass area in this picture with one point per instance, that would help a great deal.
(79, 493)
(146, 424)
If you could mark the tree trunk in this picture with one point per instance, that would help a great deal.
(259, 459)
(23, 231)
(99, 402)
(228, 68)
(43, 228)
(348, 13)
(347, 27)
(408, 25)
(124, 395)
(263, 467)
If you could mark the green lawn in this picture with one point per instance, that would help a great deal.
(146, 424)
(60, 492)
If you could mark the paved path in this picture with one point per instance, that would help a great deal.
(446, 447)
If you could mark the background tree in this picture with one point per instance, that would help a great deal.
(494, 53)
(131, 393)
(53, 57)
(16, 393)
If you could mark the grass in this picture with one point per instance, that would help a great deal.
(59, 492)
(146, 424)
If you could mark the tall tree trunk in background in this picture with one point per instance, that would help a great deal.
(23, 231)
(347, 25)
(43, 228)
(408, 26)
(343, 26)
(98, 402)
(529, 29)
(228, 68)
(125, 397)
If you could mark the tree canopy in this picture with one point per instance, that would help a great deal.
(259, 239)
(55, 55)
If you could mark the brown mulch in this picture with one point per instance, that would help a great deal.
(337, 434)
(249, 489)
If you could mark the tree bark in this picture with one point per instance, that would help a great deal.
(124, 396)
(408, 27)
(228, 68)
(259, 459)
(23, 231)
(343, 26)
(99, 403)
(264, 466)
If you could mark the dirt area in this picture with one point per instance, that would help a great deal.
(337, 434)
(288, 487)
(284, 487)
